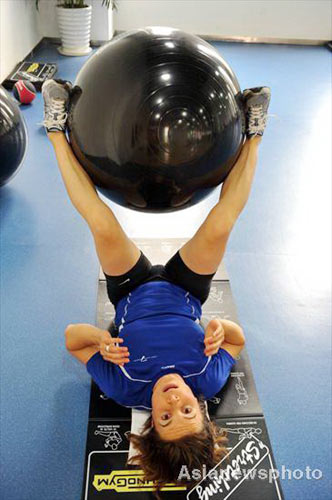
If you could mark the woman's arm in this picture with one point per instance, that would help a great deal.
(234, 340)
(84, 340)
(82, 335)
(223, 334)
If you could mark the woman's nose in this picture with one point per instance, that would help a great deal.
(173, 398)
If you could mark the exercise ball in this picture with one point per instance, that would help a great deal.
(13, 137)
(159, 121)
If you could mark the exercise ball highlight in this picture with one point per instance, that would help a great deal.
(13, 137)
(159, 121)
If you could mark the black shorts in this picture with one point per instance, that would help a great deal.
(175, 271)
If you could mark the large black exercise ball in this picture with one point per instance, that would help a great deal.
(13, 137)
(159, 122)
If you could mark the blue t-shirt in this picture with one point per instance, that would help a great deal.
(159, 323)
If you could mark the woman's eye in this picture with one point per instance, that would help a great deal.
(187, 410)
(165, 416)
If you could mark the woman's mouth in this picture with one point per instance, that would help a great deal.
(170, 386)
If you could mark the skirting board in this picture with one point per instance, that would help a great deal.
(219, 38)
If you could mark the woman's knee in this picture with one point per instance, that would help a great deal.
(217, 229)
(104, 228)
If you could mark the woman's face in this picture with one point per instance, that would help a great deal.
(175, 410)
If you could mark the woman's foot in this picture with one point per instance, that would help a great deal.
(256, 104)
(56, 96)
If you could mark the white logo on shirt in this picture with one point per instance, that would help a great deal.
(168, 366)
(143, 359)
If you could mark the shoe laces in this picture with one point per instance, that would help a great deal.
(256, 111)
(256, 115)
(56, 107)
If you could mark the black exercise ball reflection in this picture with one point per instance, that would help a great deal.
(13, 137)
(159, 122)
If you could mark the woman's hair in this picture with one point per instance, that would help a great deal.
(163, 461)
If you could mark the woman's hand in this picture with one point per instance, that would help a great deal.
(214, 337)
(111, 351)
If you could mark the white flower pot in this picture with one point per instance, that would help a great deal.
(75, 29)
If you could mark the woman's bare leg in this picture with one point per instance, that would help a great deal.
(204, 252)
(117, 253)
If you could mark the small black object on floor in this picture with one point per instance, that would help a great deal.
(34, 72)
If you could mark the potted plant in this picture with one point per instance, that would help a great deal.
(74, 21)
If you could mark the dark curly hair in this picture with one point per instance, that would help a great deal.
(162, 461)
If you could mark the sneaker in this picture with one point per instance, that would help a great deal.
(256, 104)
(56, 94)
